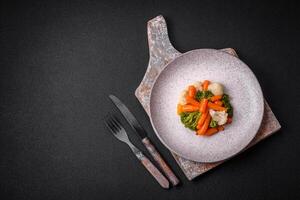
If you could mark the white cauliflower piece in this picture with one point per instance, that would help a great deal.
(219, 116)
(198, 85)
(216, 88)
(182, 97)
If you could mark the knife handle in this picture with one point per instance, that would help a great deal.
(158, 158)
(153, 170)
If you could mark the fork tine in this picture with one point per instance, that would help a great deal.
(110, 125)
(113, 122)
(116, 123)
(115, 128)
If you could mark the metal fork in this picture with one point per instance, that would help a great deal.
(119, 132)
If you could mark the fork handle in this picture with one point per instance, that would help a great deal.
(153, 170)
(161, 162)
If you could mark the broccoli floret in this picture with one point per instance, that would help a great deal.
(190, 119)
(226, 102)
(213, 124)
(203, 94)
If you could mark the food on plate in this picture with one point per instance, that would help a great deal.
(204, 108)
(216, 88)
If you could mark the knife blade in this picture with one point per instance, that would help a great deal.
(129, 116)
(141, 132)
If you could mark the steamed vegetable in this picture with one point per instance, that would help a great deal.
(182, 97)
(211, 131)
(216, 98)
(179, 109)
(203, 105)
(192, 101)
(202, 119)
(227, 105)
(190, 119)
(205, 125)
(221, 128)
(203, 94)
(204, 108)
(220, 103)
(189, 108)
(215, 106)
(213, 124)
(216, 88)
(219, 116)
(192, 91)
(205, 85)
(229, 120)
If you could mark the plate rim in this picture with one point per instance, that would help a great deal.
(187, 157)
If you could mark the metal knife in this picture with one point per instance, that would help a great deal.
(147, 143)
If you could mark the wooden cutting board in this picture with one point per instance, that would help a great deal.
(162, 52)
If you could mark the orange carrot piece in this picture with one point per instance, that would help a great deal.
(220, 103)
(205, 85)
(216, 98)
(221, 128)
(192, 101)
(203, 105)
(229, 120)
(192, 91)
(211, 131)
(202, 119)
(204, 127)
(189, 108)
(215, 106)
(179, 109)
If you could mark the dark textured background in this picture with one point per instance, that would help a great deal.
(59, 61)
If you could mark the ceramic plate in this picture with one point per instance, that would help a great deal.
(239, 82)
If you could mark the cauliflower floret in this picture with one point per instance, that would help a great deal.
(216, 88)
(219, 116)
(198, 85)
(182, 97)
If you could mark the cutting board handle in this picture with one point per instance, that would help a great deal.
(159, 43)
(161, 52)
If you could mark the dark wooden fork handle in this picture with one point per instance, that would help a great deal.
(153, 170)
(163, 165)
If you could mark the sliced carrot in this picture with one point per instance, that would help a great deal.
(229, 120)
(216, 98)
(211, 131)
(215, 106)
(205, 85)
(192, 91)
(192, 101)
(220, 103)
(189, 108)
(221, 128)
(202, 119)
(179, 109)
(203, 105)
(204, 127)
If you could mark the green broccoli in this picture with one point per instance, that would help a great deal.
(225, 100)
(203, 94)
(213, 124)
(190, 119)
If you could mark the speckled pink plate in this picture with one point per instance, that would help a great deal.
(239, 82)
